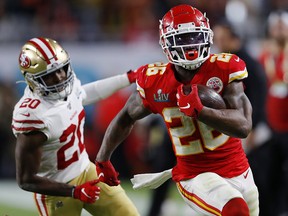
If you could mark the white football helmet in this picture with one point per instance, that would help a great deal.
(185, 36)
(40, 57)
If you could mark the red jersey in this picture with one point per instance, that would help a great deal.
(198, 147)
(277, 99)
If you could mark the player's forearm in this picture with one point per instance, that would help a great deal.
(45, 186)
(228, 121)
(103, 88)
(116, 133)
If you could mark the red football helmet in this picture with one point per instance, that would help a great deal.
(185, 36)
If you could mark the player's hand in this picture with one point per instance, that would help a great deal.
(188, 101)
(87, 192)
(132, 76)
(107, 173)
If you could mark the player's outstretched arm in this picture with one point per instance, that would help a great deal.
(28, 158)
(234, 121)
(121, 125)
(103, 88)
(117, 131)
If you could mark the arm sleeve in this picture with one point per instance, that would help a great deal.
(103, 88)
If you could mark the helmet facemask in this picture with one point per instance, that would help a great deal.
(56, 91)
(186, 37)
(39, 59)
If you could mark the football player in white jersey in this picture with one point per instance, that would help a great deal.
(48, 122)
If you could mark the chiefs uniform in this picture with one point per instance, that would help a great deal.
(64, 158)
(199, 148)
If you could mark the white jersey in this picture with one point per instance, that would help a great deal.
(64, 156)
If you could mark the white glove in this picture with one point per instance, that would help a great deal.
(150, 180)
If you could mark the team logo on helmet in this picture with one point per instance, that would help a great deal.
(24, 60)
(215, 83)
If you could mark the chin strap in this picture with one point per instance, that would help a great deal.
(190, 67)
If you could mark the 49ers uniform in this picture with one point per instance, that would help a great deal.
(200, 149)
(64, 158)
(63, 155)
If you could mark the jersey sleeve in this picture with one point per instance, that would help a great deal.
(237, 68)
(25, 122)
(141, 84)
(28, 114)
(104, 88)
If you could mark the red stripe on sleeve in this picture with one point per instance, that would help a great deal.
(28, 121)
(25, 128)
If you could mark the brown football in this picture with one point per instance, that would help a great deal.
(210, 98)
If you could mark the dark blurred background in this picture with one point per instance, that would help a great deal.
(123, 21)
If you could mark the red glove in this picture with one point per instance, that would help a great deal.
(132, 76)
(107, 173)
(87, 192)
(189, 102)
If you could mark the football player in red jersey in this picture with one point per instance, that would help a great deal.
(212, 172)
(48, 121)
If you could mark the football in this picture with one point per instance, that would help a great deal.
(210, 98)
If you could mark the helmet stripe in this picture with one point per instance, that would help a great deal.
(44, 48)
(41, 51)
(49, 47)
